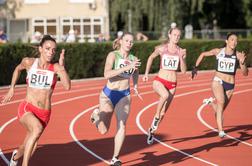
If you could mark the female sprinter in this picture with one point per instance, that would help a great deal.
(227, 60)
(34, 112)
(172, 56)
(115, 97)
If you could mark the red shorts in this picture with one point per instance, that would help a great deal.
(42, 115)
(168, 84)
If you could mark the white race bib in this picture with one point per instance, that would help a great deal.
(122, 63)
(226, 65)
(170, 62)
(40, 79)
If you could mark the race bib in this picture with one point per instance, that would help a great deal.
(170, 62)
(122, 63)
(226, 65)
(40, 79)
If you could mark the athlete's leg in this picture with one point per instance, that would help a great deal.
(105, 113)
(34, 129)
(122, 110)
(219, 95)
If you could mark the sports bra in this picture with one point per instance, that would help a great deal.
(168, 60)
(121, 62)
(226, 64)
(41, 79)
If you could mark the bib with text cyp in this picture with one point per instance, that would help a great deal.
(226, 64)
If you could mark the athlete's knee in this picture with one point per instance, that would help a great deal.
(37, 130)
(164, 96)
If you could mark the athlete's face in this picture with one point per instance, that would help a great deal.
(127, 42)
(232, 42)
(174, 36)
(47, 50)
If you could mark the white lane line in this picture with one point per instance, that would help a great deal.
(55, 103)
(164, 144)
(71, 130)
(79, 97)
(212, 128)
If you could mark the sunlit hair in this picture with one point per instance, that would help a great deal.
(46, 38)
(169, 32)
(116, 42)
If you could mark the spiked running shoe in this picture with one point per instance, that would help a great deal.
(150, 138)
(12, 161)
(115, 162)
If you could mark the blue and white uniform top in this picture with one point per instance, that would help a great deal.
(226, 64)
(120, 62)
(41, 79)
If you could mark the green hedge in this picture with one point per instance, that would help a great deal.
(87, 60)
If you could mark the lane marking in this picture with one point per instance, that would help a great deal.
(212, 128)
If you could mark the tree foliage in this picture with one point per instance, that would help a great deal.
(154, 15)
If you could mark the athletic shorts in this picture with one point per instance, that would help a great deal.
(168, 84)
(42, 115)
(226, 86)
(114, 95)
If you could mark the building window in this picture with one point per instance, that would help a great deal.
(45, 26)
(85, 28)
(36, 1)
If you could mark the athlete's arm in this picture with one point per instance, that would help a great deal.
(212, 52)
(135, 77)
(15, 76)
(108, 70)
(60, 70)
(182, 57)
(153, 55)
(241, 57)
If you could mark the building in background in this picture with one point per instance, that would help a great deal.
(23, 18)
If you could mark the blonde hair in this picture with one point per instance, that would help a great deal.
(116, 42)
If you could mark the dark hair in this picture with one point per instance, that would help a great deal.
(228, 36)
(46, 38)
(116, 44)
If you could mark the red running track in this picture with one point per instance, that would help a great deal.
(185, 137)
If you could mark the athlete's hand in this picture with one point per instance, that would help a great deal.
(194, 72)
(8, 96)
(145, 78)
(182, 53)
(135, 64)
(62, 58)
(241, 56)
(138, 94)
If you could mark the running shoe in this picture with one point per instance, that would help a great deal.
(94, 116)
(115, 162)
(222, 134)
(208, 101)
(12, 161)
(150, 138)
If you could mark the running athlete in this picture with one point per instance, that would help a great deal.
(115, 97)
(34, 112)
(227, 61)
(172, 57)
